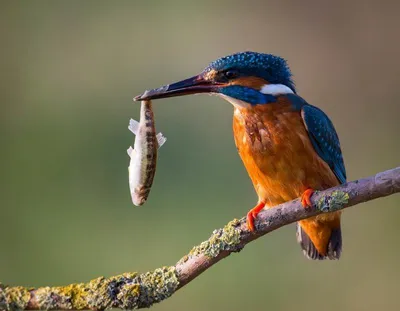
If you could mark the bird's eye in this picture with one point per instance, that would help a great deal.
(230, 74)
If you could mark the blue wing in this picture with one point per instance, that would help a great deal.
(324, 139)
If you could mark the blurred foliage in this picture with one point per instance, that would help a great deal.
(68, 72)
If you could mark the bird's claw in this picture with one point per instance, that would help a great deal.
(252, 214)
(250, 221)
(306, 198)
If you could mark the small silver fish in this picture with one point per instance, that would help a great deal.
(142, 166)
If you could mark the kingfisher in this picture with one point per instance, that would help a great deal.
(289, 148)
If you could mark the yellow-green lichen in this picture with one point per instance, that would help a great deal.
(333, 202)
(45, 298)
(184, 259)
(15, 298)
(131, 290)
(99, 297)
(72, 295)
(3, 302)
(157, 285)
(227, 239)
(126, 291)
(103, 292)
(129, 296)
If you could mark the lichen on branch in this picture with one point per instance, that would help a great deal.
(226, 239)
(125, 291)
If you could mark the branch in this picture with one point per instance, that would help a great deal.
(134, 290)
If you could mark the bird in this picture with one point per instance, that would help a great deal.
(289, 147)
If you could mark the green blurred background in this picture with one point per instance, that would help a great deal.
(69, 70)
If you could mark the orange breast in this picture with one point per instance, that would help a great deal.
(275, 148)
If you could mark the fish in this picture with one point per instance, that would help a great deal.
(143, 155)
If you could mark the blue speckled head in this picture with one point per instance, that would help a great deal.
(271, 68)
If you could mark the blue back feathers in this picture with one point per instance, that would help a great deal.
(324, 139)
(271, 68)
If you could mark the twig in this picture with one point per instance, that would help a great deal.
(133, 290)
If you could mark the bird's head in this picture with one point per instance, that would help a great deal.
(242, 78)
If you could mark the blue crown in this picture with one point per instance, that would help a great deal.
(273, 69)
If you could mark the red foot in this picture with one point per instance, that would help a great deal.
(252, 214)
(306, 198)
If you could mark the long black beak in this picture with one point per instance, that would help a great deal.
(193, 85)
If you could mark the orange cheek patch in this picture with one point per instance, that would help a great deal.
(253, 82)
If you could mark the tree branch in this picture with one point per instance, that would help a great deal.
(134, 290)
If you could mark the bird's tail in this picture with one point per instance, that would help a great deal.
(325, 245)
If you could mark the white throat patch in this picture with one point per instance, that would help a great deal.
(234, 101)
(275, 89)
